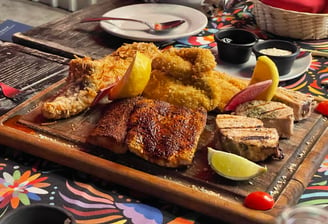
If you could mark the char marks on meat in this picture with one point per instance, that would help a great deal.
(157, 131)
(273, 114)
(235, 121)
(112, 128)
(246, 137)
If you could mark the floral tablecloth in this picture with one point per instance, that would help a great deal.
(26, 179)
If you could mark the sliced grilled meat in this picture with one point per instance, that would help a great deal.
(273, 114)
(157, 131)
(301, 103)
(246, 136)
(236, 121)
(165, 134)
(256, 144)
(112, 128)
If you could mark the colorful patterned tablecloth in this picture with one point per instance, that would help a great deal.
(25, 179)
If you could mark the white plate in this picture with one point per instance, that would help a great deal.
(245, 70)
(196, 21)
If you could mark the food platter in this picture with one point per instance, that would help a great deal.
(195, 21)
(195, 187)
(245, 70)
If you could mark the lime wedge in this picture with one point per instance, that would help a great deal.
(232, 166)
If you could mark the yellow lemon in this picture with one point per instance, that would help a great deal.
(134, 80)
(232, 166)
(265, 69)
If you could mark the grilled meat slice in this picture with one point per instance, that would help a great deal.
(224, 121)
(157, 131)
(301, 103)
(163, 133)
(246, 136)
(273, 114)
(255, 144)
(236, 121)
(111, 129)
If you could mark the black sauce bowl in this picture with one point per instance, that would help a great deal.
(284, 63)
(235, 45)
(38, 214)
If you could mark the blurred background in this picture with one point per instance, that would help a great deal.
(37, 12)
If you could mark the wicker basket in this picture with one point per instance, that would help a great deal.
(287, 23)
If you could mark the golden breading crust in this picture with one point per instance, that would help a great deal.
(189, 61)
(193, 93)
(187, 77)
(229, 87)
(87, 77)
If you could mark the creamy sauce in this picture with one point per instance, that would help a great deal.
(275, 52)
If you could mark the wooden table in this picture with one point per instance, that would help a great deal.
(68, 37)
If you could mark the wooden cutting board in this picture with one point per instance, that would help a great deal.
(196, 187)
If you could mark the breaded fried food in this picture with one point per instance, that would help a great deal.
(229, 87)
(173, 65)
(193, 93)
(187, 77)
(128, 51)
(87, 77)
(202, 59)
(180, 62)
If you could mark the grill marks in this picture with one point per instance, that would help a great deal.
(272, 114)
(246, 137)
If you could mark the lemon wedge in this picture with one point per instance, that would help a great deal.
(134, 80)
(232, 166)
(265, 69)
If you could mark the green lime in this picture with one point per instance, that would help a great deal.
(232, 166)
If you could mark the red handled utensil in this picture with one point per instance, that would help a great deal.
(8, 91)
(157, 27)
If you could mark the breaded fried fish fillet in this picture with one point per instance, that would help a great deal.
(187, 77)
(230, 86)
(87, 77)
(194, 92)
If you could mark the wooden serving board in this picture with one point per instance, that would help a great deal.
(196, 187)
